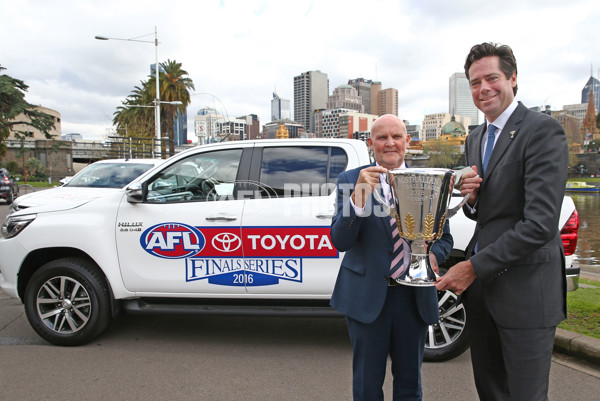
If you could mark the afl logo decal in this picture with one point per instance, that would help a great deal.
(226, 242)
(172, 240)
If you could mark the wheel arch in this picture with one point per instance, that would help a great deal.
(39, 257)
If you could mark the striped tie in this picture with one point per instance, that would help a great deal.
(401, 253)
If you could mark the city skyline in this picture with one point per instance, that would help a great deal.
(236, 52)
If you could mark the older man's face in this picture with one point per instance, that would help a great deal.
(389, 141)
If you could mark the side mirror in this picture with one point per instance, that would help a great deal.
(135, 193)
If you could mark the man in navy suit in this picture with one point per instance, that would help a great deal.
(514, 277)
(383, 317)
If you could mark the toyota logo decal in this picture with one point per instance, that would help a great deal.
(226, 242)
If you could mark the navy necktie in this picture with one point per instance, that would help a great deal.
(490, 145)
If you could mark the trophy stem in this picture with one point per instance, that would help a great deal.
(420, 273)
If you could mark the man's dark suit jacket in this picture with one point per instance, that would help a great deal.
(520, 258)
(362, 283)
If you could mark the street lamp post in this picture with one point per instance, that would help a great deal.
(157, 102)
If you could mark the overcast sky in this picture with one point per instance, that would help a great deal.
(237, 52)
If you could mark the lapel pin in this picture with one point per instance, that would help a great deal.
(512, 134)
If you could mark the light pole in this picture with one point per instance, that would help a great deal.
(157, 135)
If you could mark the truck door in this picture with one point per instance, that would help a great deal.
(184, 237)
(287, 248)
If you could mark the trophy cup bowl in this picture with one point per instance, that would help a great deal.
(420, 201)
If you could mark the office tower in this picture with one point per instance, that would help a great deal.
(592, 83)
(368, 91)
(460, 101)
(311, 89)
(345, 97)
(388, 101)
(280, 108)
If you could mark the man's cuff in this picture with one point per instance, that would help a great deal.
(359, 211)
(473, 208)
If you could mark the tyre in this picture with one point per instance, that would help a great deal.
(67, 302)
(448, 338)
(10, 198)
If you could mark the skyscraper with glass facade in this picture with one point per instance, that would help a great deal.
(460, 101)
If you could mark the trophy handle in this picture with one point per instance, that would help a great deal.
(387, 208)
(457, 181)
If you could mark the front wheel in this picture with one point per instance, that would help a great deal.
(67, 302)
(447, 338)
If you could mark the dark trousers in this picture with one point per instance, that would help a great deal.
(508, 364)
(398, 332)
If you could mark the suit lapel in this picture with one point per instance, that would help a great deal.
(475, 149)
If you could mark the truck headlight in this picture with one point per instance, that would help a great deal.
(15, 224)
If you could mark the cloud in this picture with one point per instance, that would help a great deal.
(240, 51)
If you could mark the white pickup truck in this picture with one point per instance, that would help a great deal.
(230, 228)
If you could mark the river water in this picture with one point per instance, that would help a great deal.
(588, 242)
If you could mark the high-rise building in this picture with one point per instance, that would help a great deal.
(460, 101)
(368, 91)
(311, 89)
(342, 123)
(345, 97)
(388, 101)
(594, 84)
(280, 108)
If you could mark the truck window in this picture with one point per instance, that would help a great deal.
(200, 177)
(302, 170)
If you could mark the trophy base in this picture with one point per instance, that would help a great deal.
(416, 282)
(420, 273)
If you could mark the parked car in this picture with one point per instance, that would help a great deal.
(236, 227)
(93, 181)
(9, 188)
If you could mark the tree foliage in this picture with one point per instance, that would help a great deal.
(138, 122)
(443, 154)
(34, 168)
(13, 105)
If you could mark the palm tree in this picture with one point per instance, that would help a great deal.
(136, 121)
(174, 86)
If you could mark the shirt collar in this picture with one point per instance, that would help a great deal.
(500, 122)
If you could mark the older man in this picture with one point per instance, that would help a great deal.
(383, 317)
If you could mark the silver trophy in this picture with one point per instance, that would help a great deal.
(420, 204)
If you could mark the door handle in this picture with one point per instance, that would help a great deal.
(221, 218)
(324, 216)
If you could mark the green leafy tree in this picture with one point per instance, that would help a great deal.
(132, 121)
(442, 154)
(174, 86)
(13, 167)
(34, 167)
(138, 122)
(13, 105)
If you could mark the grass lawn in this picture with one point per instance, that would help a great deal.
(583, 310)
